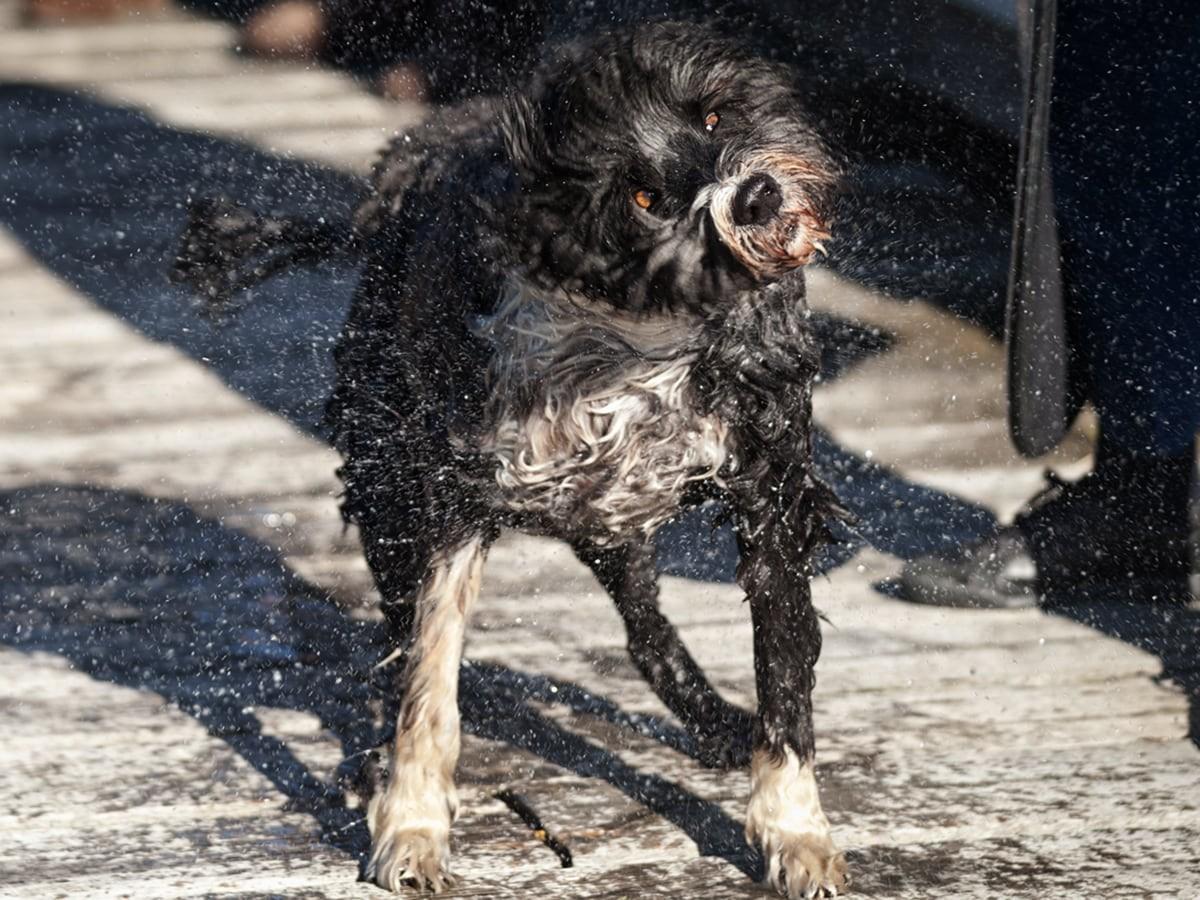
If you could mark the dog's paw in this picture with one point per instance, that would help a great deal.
(785, 819)
(804, 865)
(410, 841)
(415, 856)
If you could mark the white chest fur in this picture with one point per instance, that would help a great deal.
(591, 419)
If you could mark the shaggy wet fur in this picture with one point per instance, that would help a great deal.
(581, 311)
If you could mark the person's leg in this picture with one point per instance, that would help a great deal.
(285, 29)
(229, 10)
(367, 37)
(1125, 126)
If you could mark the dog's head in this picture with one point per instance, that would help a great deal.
(663, 168)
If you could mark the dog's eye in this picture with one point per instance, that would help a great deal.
(711, 121)
(644, 198)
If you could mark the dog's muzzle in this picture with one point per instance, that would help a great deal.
(768, 215)
(757, 201)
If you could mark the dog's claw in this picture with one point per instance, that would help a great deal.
(805, 866)
(410, 835)
(413, 857)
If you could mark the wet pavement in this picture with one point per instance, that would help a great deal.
(186, 630)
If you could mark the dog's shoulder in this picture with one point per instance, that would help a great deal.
(452, 155)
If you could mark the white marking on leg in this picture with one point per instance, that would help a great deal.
(410, 820)
(786, 820)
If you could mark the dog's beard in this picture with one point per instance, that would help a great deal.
(787, 241)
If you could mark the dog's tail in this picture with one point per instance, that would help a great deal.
(227, 248)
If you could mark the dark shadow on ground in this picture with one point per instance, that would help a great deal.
(1170, 633)
(97, 194)
(890, 514)
(147, 594)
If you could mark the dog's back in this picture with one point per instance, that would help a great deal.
(410, 371)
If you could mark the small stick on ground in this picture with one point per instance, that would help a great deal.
(521, 807)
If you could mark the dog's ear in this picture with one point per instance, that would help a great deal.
(524, 132)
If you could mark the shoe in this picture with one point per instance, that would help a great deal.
(1121, 532)
(995, 573)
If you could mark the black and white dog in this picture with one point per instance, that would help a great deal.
(582, 310)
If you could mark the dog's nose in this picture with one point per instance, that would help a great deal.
(757, 201)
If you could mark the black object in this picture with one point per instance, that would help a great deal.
(1041, 404)
(521, 807)
(1120, 532)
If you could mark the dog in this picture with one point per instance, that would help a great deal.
(581, 311)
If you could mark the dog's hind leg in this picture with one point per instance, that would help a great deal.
(721, 730)
(410, 819)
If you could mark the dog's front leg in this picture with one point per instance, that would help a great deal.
(785, 817)
(410, 819)
(758, 376)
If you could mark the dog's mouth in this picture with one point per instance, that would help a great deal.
(769, 215)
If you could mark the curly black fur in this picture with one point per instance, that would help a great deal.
(642, 211)
(226, 249)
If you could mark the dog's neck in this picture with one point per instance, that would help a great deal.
(560, 313)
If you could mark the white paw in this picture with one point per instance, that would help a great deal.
(786, 820)
(804, 865)
(410, 837)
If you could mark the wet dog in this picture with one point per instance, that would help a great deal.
(581, 311)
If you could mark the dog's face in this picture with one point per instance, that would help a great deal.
(662, 169)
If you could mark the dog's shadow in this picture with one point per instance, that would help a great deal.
(146, 593)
